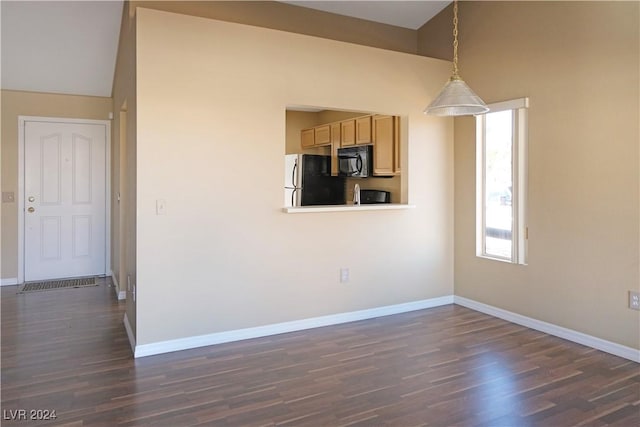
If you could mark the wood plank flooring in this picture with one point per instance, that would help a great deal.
(67, 351)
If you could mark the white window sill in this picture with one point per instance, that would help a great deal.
(505, 260)
(347, 208)
(495, 258)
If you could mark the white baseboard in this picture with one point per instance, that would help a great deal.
(9, 281)
(280, 328)
(116, 288)
(551, 329)
(132, 338)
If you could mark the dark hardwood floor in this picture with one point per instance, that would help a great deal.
(67, 351)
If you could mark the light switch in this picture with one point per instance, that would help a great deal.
(8, 197)
(161, 207)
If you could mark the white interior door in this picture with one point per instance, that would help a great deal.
(64, 200)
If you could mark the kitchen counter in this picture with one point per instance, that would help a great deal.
(348, 208)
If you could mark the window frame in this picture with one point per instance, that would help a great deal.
(519, 146)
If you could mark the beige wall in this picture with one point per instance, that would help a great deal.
(578, 64)
(295, 19)
(14, 104)
(328, 116)
(124, 170)
(265, 14)
(435, 38)
(225, 256)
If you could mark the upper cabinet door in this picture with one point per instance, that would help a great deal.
(348, 132)
(322, 135)
(363, 130)
(308, 138)
(383, 145)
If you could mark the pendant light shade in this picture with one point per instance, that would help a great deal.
(456, 98)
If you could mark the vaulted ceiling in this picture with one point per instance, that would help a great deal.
(60, 46)
(71, 46)
(407, 14)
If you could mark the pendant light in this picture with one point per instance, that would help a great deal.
(456, 98)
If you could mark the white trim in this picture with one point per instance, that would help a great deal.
(116, 287)
(132, 338)
(520, 177)
(280, 328)
(107, 190)
(21, 121)
(348, 208)
(21, 125)
(519, 160)
(9, 281)
(551, 329)
(512, 104)
(481, 184)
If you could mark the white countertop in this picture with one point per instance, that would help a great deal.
(348, 208)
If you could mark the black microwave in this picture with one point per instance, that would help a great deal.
(356, 161)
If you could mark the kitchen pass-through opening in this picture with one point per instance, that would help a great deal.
(329, 153)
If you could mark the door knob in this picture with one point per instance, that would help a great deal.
(32, 199)
(31, 209)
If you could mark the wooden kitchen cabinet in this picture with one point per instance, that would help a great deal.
(322, 135)
(348, 133)
(381, 131)
(307, 137)
(386, 146)
(336, 132)
(363, 130)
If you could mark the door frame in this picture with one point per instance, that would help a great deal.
(22, 121)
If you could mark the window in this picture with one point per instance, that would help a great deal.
(501, 136)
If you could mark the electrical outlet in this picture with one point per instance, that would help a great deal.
(634, 300)
(344, 275)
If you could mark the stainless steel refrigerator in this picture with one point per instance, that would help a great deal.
(308, 181)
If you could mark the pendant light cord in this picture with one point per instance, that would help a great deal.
(455, 75)
(456, 98)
